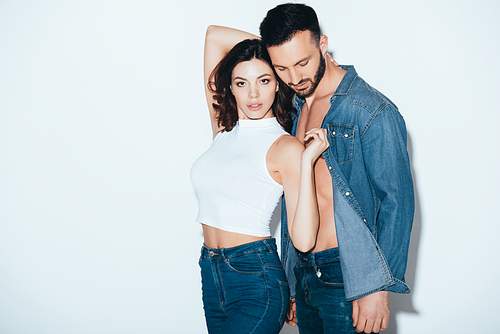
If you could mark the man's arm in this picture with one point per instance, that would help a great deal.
(388, 166)
(384, 144)
(291, 316)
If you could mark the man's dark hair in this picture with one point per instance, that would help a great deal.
(284, 21)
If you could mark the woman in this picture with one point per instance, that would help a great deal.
(239, 181)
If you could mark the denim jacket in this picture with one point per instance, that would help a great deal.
(372, 189)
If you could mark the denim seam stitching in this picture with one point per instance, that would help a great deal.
(369, 122)
(267, 290)
(221, 287)
(246, 252)
(243, 272)
(284, 306)
(383, 263)
(374, 196)
(361, 295)
(351, 200)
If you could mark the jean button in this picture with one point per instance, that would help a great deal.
(211, 253)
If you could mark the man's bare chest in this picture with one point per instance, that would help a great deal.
(311, 117)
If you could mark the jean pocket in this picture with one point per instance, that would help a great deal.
(341, 141)
(330, 273)
(249, 263)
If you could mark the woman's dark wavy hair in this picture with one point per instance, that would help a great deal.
(219, 82)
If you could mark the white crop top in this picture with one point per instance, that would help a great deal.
(235, 191)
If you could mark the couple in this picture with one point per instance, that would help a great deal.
(348, 193)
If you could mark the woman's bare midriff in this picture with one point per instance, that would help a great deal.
(217, 238)
(326, 238)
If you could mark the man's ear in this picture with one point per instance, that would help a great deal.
(323, 44)
(277, 86)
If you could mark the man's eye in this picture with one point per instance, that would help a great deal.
(303, 64)
(280, 69)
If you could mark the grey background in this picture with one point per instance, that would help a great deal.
(102, 113)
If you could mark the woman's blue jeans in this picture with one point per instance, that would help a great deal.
(244, 288)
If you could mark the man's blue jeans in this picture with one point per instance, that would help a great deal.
(320, 298)
(244, 288)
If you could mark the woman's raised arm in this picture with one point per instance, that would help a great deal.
(218, 41)
(298, 181)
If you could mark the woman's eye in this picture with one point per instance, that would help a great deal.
(264, 81)
(240, 84)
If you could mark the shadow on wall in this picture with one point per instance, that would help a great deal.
(399, 302)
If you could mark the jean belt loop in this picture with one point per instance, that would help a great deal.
(269, 248)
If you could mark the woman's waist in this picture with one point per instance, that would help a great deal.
(217, 238)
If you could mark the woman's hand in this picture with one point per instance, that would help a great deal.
(316, 143)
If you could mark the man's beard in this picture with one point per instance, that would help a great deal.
(320, 72)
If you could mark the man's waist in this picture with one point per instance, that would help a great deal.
(328, 255)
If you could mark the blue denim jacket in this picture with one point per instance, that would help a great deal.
(372, 185)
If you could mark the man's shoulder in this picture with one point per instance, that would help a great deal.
(359, 94)
(369, 98)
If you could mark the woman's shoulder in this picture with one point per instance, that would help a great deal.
(286, 149)
(289, 142)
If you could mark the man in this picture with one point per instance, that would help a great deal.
(364, 184)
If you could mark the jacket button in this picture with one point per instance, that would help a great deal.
(333, 133)
(364, 220)
(346, 135)
(330, 167)
(406, 289)
(285, 235)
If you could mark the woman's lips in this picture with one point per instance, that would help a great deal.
(254, 106)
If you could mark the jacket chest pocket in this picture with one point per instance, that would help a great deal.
(341, 141)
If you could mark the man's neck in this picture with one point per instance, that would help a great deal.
(328, 84)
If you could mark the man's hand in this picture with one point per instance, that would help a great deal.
(371, 313)
(291, 315)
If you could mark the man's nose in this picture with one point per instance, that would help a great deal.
(295, 78)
